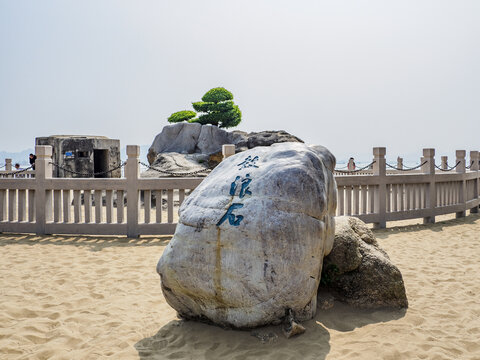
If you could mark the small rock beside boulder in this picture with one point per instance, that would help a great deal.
(358, 272)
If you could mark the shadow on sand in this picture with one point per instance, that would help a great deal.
(437, 227)
(193, 340)
(94, 243)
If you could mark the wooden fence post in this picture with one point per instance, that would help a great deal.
(132, 172)
(431, 193)
(460, 155)
(228, 150)
(474, 157)
(474, 167)
(424, 167)
(380, 171)
(43, 197)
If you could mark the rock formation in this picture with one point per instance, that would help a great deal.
(189, 138)
(175, 163)
(244, 141)
(357, 271)
(251, 238)
(204, 145)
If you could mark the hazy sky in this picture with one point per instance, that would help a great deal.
(348, 75)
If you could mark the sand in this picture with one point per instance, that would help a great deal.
(98, 297)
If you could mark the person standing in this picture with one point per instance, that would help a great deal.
(31, 159)
(351, 164)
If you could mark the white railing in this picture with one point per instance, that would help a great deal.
(7, 171)
(380, 195)
(113, 206)
(104, 206)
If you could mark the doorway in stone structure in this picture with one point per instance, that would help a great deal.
(100, 162)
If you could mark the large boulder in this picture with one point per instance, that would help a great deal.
(359, 272)
(180, 138)
(190, 138)
(212, 138)
(250, 241)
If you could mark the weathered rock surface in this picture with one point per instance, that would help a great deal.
(359, 272)
(180, 138)
(246, 141)
(251, 238)
(168, 163)
(190, 138)
(212, 138)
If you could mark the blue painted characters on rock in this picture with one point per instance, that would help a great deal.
(232, 218)
(244, 184)
(248, 162)
(244, 190)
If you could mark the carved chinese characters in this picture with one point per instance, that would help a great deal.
(251, 238)
(244, 190)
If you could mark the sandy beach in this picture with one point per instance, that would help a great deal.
(87, 297)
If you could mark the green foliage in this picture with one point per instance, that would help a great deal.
(223, 119)
(329, 274)
(217, 95)
(202, 106)
(183, 115)
(217, 108)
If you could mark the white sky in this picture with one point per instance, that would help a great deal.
(348, 75)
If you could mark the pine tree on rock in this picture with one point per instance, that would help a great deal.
(184, 115)
(217, 108)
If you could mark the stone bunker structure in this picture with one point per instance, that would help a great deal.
(84, 155)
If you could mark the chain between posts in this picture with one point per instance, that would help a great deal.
(173, 173)
(468, 167)
(17, 172)
(89, 174)
(354, 171)
(406, 168)
(448, 169)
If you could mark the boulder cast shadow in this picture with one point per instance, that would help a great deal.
(92, 242)
(193, 340)
(343, 317)
(437, 227)
(181, 339)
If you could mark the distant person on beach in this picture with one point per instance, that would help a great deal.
(351, 164)
(31, 159)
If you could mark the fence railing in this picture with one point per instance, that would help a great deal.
(129, 206)
(133, 206)
(379, 195)
(8, 171)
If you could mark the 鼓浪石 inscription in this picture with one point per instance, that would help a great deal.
(250, 240)
(233, 219)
